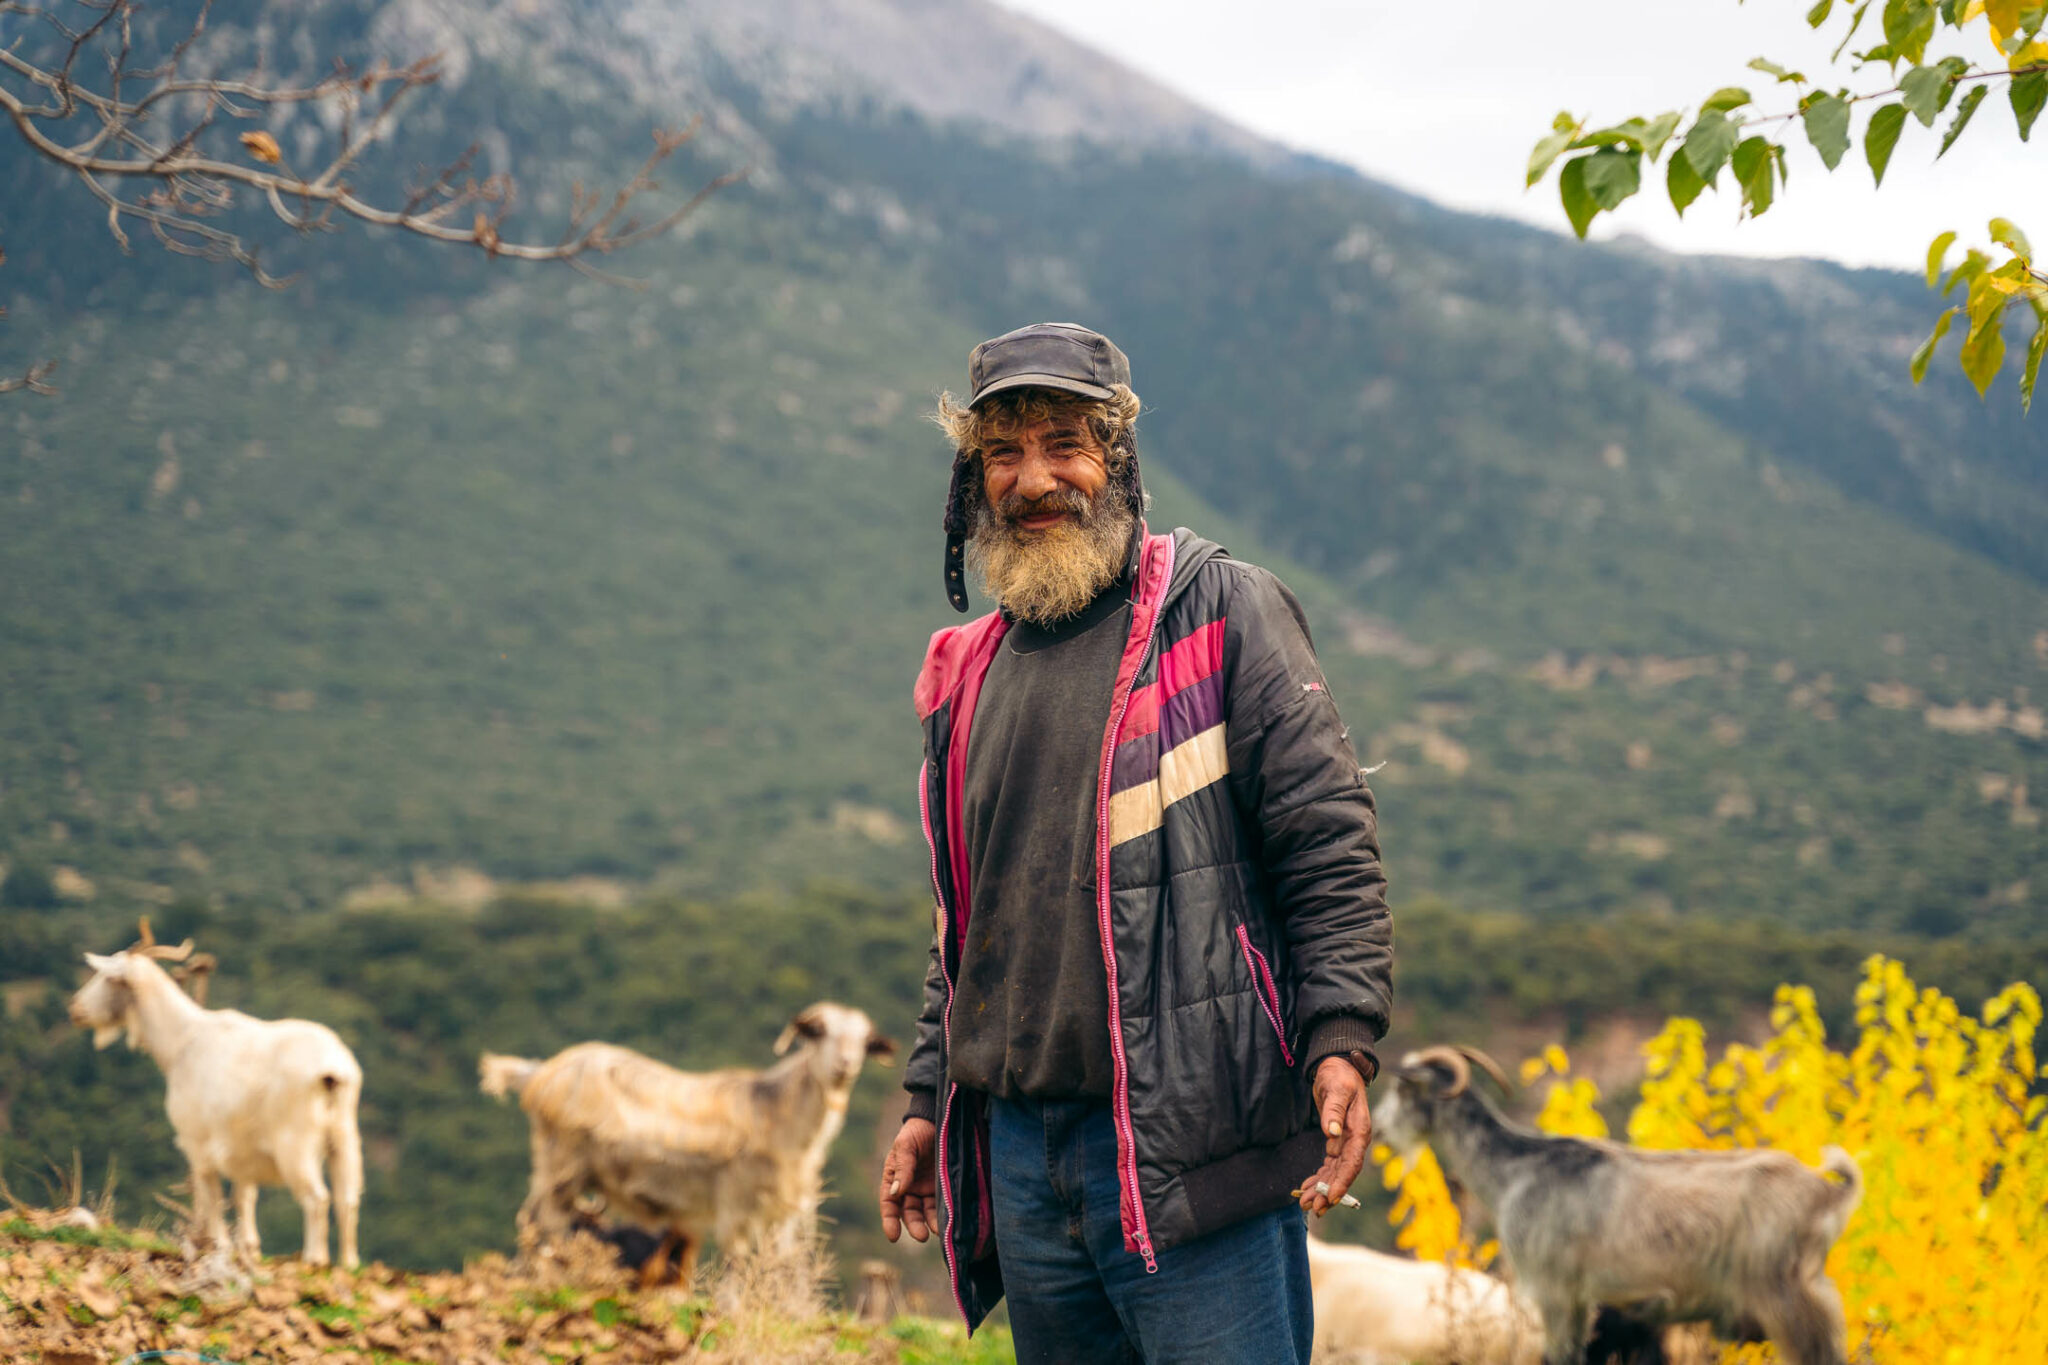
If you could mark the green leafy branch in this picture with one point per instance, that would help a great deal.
(1727, 133)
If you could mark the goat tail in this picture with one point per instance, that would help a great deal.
(1834, 1161)
(499, 1075)
(1846, 1196)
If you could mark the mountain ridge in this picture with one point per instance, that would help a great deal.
(944, 61)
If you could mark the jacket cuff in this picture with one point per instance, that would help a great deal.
(924, 1104)
(1343, 1035)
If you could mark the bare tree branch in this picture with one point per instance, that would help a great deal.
(37, 378)
(151, 141)
(33, 381)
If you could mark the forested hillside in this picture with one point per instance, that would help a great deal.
(557, 582)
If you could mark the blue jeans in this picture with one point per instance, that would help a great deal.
(1238, 1296)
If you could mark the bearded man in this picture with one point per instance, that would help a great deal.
(1163, 954)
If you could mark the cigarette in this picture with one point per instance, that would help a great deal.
(1348, 1201)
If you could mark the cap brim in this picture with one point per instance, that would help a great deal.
(1041, 381)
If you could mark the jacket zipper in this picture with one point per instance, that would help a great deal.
(924, 815)
(1269, 997)
(1127, 1144)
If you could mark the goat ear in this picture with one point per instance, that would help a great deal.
(809, 1025)
(115, 967)
(882, 1049)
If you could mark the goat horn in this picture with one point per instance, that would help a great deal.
(197, 973)
(148, 939)
(1454, 1058)
(163, 952)
(1489, 1066)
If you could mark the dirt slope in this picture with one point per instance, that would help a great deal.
(72, 1297)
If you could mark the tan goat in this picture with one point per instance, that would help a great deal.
(735, 1155)
(1376, 1309)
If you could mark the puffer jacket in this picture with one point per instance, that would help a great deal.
(1239, 893)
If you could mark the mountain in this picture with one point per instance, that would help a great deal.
(1652, 580)
(941, 60)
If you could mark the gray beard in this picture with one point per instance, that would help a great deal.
(1045, 577)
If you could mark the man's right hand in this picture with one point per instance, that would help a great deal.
(909, 1182)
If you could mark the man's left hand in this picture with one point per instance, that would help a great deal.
(1347, 1133)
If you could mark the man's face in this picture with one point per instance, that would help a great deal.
(1051, 534)
(1031, 478)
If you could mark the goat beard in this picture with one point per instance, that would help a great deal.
(1048, 576)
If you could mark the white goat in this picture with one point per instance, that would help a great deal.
(1738, 1239)
(256, 1101)
(733, 1154)
(1376, 1309)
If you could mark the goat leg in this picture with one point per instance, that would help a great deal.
(248, 1243)
(654, 1270)
(686, 1262)
(209, 1213)
(1567, 1329)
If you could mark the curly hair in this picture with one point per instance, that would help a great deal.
(1113, 421)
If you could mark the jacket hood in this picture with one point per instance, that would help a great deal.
(1190, 552)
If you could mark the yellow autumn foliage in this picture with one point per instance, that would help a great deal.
(2002, 21)
(1945, 1262)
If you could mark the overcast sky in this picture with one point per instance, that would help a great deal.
(1447, 99)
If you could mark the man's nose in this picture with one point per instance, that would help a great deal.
(1035, 478)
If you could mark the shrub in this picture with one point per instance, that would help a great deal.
(28, 886)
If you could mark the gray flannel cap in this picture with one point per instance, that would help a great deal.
(1047, 355)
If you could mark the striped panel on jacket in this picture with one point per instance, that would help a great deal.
(1172, 742)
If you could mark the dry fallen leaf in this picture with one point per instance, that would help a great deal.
(92, 1291)
(263, 147)
(68, 1355)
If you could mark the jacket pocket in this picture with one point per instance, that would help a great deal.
(1269, 996)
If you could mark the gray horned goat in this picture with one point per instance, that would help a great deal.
(1738, 1239)
(736, 1154)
